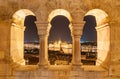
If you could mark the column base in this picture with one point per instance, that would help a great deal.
(76, 66)
(42, 66)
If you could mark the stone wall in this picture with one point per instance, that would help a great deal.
(60, 72)
(5, 69)
(10, 51)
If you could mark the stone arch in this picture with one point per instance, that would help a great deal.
(56, 13)
(17, 35)
(100, 16)
(75, 29)
(59, 12)
(59, 34)
(103, 36)
(19, 16)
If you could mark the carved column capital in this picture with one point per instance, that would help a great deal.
(78, 28)
(42, 28)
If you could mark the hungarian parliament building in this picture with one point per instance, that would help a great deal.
(61, 53)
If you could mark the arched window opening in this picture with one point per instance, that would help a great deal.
(89, 41)
(60, 41)
(31, 41)
(103, 36)
(19, 20)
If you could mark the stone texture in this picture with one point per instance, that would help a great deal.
(11, 40)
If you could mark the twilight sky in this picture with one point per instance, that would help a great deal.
(60, 29)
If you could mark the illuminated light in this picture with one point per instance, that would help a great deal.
(57, 45)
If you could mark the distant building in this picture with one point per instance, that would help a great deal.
(31, 45)
(60, 46)
(89, 53)
(89, 47)
(61, 53)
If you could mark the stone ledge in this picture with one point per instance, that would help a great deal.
(26, 68)
(93, 68)
(59, 67)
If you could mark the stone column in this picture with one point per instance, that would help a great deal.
(17, 44)
(43, 54)
(103, 45)
(76, 35)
